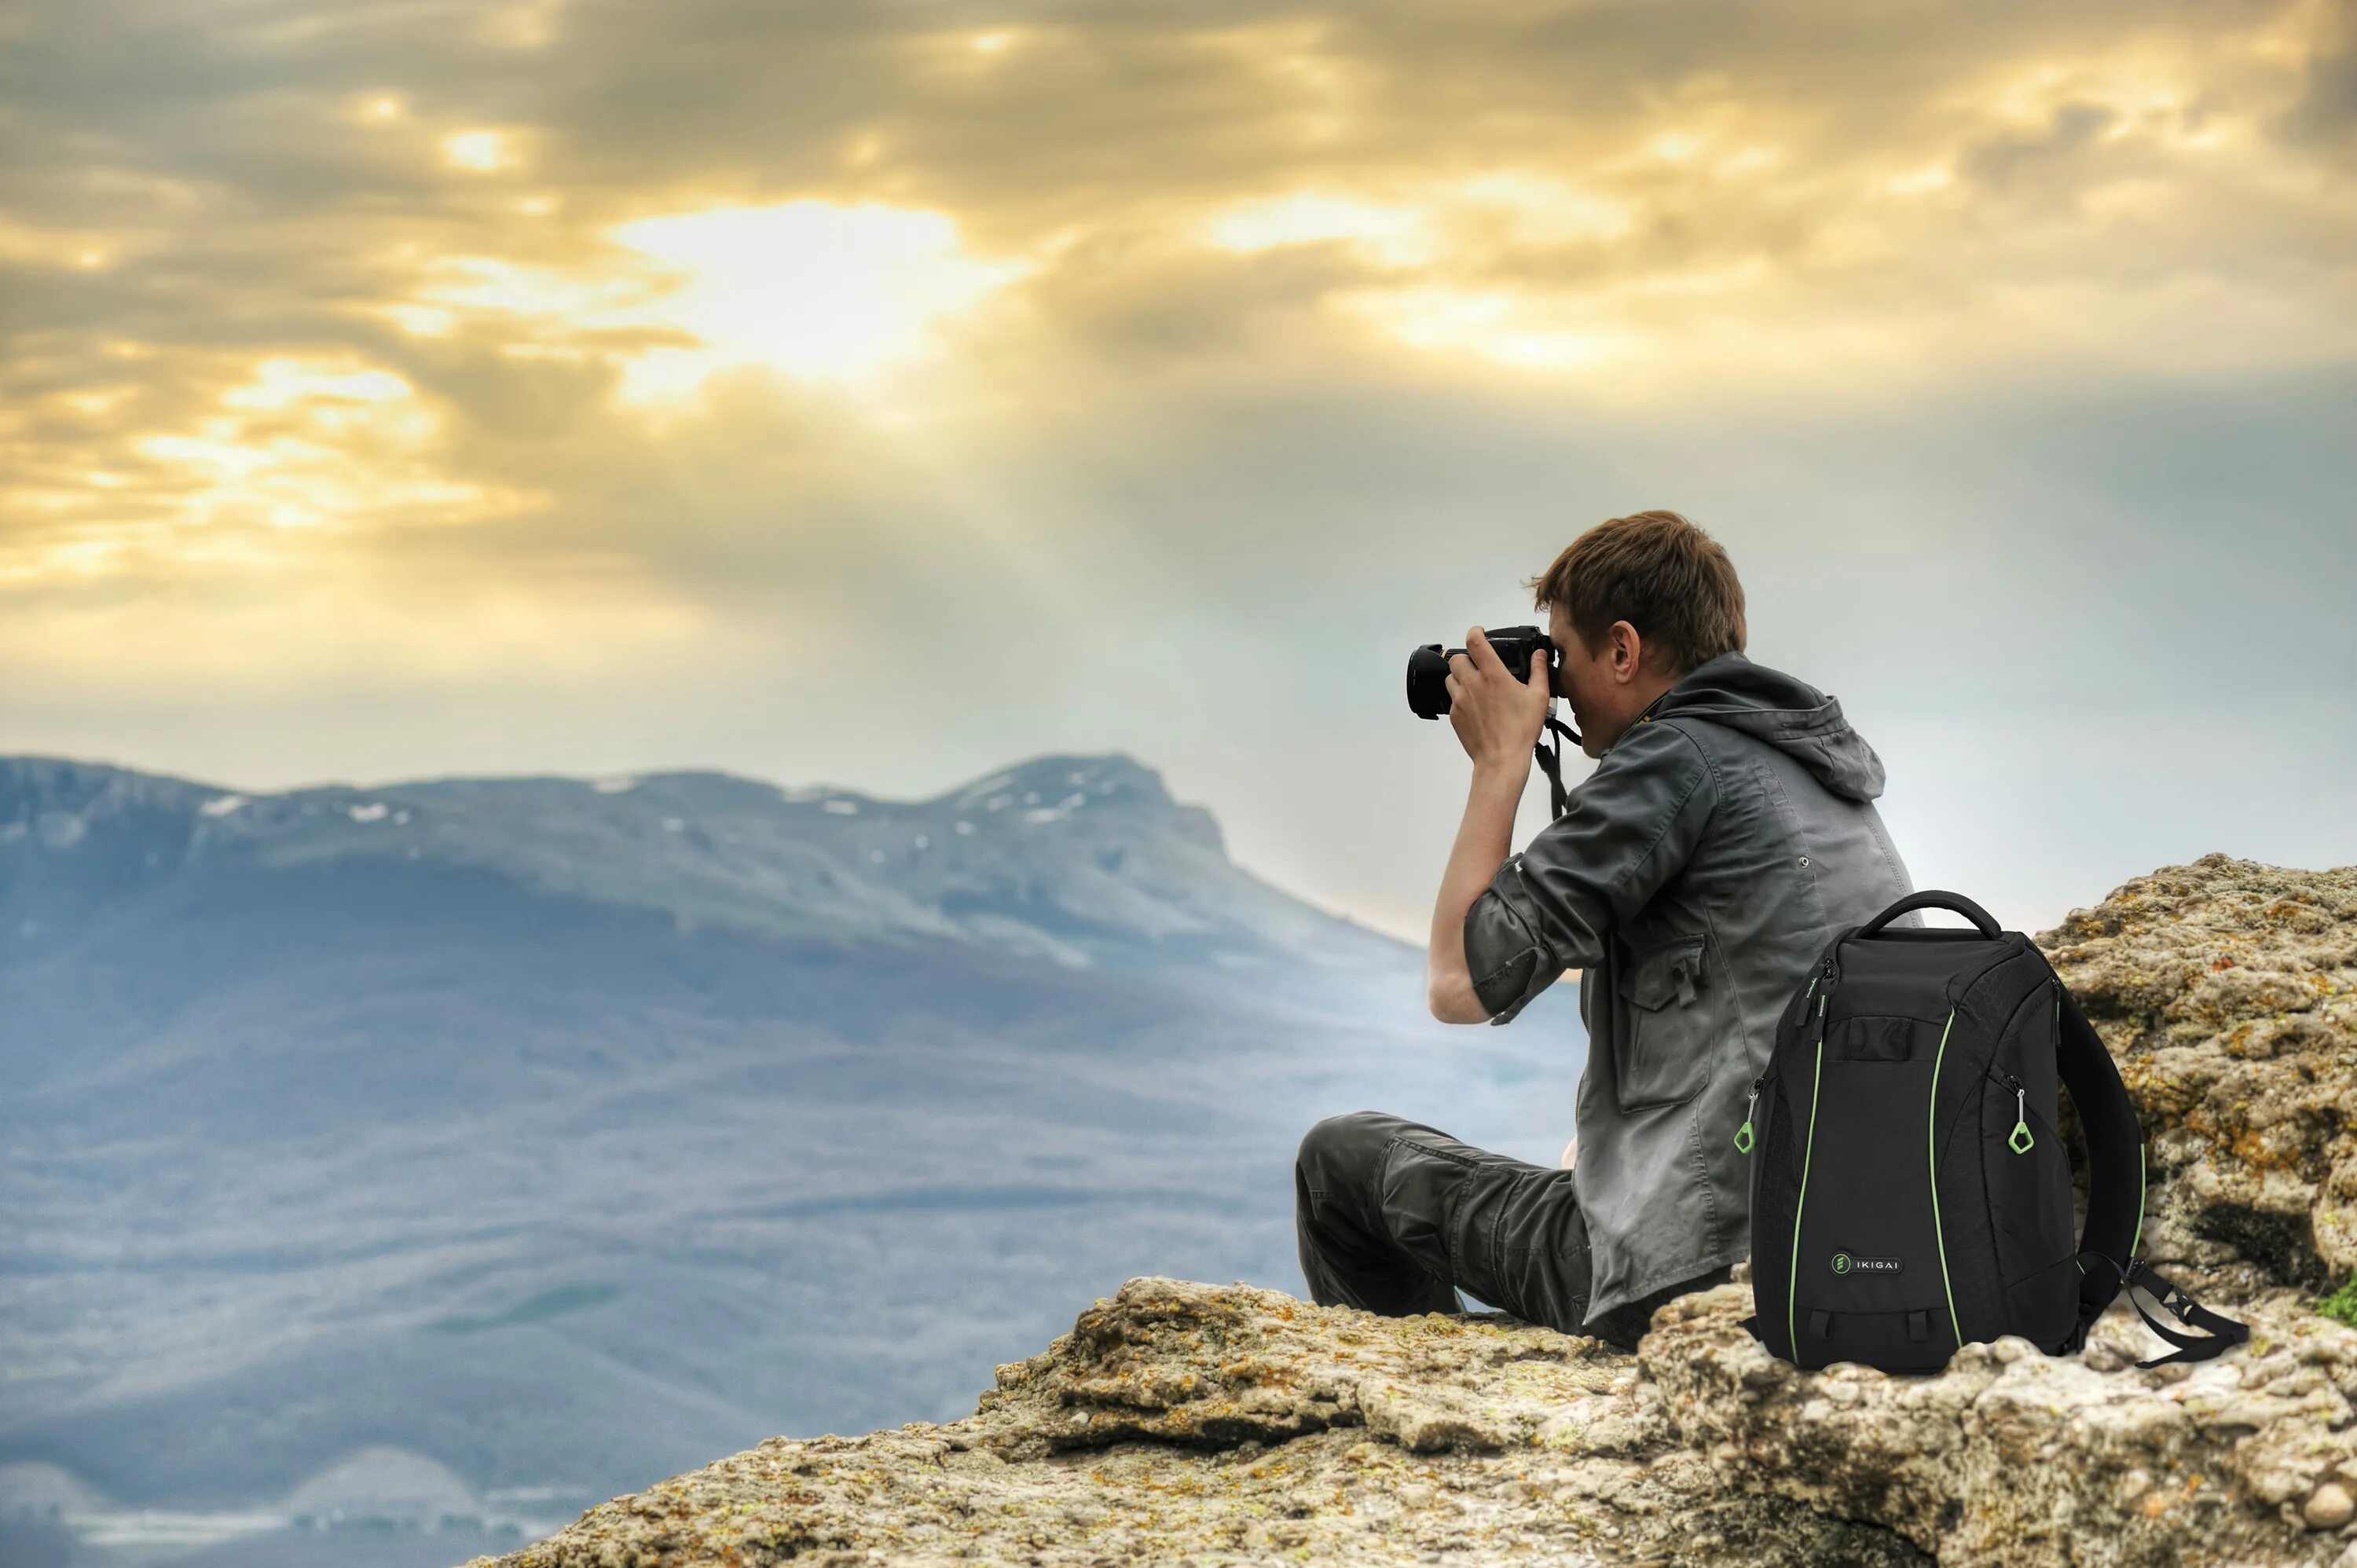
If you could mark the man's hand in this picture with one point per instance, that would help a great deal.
(1497, 718)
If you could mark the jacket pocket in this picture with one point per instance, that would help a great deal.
(1676, 1017)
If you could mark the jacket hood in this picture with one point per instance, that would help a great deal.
(1782, 711)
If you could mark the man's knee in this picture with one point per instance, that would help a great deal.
(1340, 1149)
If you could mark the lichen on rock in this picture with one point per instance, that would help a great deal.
(1182, 1422)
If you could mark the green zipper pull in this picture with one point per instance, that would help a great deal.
(1743, 1138)
(2019, 1140)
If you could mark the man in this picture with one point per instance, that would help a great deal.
(1727, 833)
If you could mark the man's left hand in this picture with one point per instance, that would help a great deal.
(1497, 718)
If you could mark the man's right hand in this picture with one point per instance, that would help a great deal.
(1570, 1152)
(1497, 718)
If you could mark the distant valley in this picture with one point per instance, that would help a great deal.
(433, 1159)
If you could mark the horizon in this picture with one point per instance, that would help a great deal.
(606, 783)
(619, 782)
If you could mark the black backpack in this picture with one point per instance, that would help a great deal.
(1910, 1192)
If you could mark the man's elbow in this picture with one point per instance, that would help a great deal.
(1452, 1001)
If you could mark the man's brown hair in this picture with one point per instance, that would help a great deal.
(1659, 573)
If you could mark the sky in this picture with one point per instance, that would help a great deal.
(876, 393)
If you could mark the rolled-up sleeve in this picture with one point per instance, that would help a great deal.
(1630, 827)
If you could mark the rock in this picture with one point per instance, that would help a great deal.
(1180, 1422)
(1390, 1438)
(2227, 992)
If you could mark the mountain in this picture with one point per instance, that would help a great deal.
(547, 1133)
(1080, 860)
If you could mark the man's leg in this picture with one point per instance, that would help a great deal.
(1391, 1215)
(1350, 1256)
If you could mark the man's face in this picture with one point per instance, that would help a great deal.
(1598, 698)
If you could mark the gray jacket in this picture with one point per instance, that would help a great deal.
(1699, 870)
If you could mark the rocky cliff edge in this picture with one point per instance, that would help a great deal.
(1183, 1423)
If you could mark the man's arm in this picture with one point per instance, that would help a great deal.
(1482, 839)
(1629, 829)
(1497, 720)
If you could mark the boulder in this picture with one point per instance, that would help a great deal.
(2227, 992)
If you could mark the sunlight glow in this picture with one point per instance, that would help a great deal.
(1497, 325)
(1449, 221)
(1534, 209)
(417, 320)
(480, 151)
(812, 287)
(302, 443)
(531, 25)
(1917, 181)
(489, 283)
(283, 382)
(1394, 235)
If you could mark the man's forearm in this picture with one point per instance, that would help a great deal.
(1483, 840)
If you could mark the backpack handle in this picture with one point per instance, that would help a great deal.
(1933, 898)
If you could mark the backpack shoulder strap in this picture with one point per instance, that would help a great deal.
(2114, 1162)
(2115, 1228)
(2224, 1333)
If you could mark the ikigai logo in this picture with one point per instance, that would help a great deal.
(1851, 1263)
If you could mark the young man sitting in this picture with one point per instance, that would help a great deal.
(1727, 833)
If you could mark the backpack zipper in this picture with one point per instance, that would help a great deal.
(1743, 1138)
(1743, 1135)
(1932, 1149)
(2020, 1139)
(1800, 1209)
(2020, 1117)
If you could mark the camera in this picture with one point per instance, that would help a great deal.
(1428, 667)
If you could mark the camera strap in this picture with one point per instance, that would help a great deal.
(1551, 762)
(1551, 757)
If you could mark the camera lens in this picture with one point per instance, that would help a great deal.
(1427, 682)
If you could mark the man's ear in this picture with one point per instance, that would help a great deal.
(1628, 651)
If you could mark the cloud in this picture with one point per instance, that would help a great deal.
(2072, 127)
(2326, 111)
(443, 348)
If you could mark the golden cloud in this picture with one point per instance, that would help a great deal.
(486, 298)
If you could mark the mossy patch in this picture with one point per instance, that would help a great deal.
(2342, 1305)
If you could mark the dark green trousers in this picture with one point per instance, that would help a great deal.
(1394, 1216)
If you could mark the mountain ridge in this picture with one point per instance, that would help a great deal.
(1083, 859)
